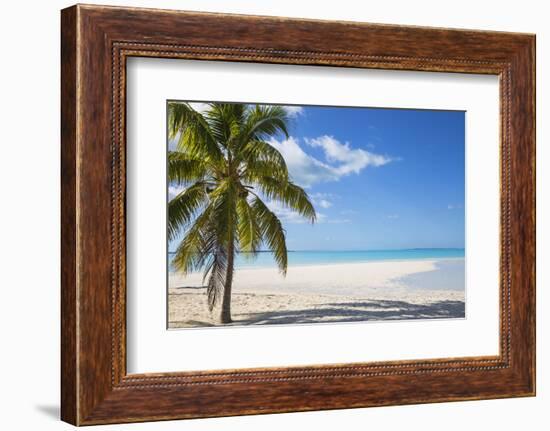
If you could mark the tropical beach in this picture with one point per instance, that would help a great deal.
(281, 214)
(325, 293)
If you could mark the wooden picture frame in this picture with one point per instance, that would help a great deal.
(95, 43)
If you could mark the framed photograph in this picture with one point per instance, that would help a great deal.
(268, 215)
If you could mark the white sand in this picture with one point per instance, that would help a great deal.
(322, 293)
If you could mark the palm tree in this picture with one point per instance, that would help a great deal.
(227, 167)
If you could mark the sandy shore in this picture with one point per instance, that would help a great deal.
(328, 293)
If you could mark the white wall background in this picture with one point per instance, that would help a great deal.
(29, 224)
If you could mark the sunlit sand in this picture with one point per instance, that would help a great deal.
(347, 292)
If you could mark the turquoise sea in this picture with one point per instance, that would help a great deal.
(301, 258)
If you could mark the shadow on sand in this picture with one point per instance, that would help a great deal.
(356, 312)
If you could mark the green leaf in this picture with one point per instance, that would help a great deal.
(183, 168)
(289, 194)
(264, 121)
(198, 245)
(195, 137)
(249, 232)
(224, 153)
(272, 232)
(261, 159)
(183, 207)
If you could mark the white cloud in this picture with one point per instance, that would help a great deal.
(323, 203)
(324, 200)
(340, 160)
(393, 216)
(303, 168)
(351, 160)
(293, 111)
(453, 207)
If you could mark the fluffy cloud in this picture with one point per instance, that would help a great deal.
(323, 203)
(349, 160)
(293, 111)
(324, 200)
(303, 168)
(340, 159)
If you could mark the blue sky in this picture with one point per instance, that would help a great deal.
(379, 178)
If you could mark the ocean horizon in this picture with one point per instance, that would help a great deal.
(264, 259)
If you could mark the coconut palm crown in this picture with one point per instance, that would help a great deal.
(227, 168)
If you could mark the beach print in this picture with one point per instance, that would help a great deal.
(286, 214)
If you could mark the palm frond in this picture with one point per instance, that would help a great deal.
(224, 152)
(183, 207)
(264, 121)
(261, 151)
(217, 279)
(272, 232)
(248, 228)
(195, 136)
(198, 245)
(225, 121)
(183, 168)
(256, 170)
(289, 194)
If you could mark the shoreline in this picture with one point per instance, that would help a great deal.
(323, 264)
(337, 292)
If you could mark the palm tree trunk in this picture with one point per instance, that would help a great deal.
(226, 299)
